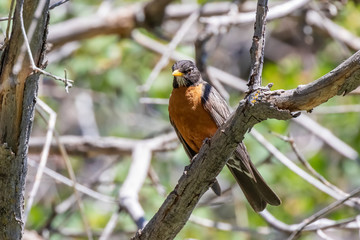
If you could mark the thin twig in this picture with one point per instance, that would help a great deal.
(227, 227)
(54, 5)
(5, 19)
(79, 187)
(322, 223)
(9, 19)
(73, 178)
(327, 136)
(69, 202)
(301, 173)
(337, 32)
(160, 101)
(180, 34)
(275, 12)
(17, 66)
(110, 226)
(222, 76)
(306, 164)
(156, 181)
(45, 152)
(322, 212)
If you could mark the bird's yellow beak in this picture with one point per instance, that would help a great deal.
(177, 73)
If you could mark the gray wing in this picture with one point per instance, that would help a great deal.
(215, 104)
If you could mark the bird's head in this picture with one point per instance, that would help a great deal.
(185, 74)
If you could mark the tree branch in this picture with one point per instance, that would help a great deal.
(18, 90)
(91, 146)
(197, 178)
(258, 45)
(120, 21)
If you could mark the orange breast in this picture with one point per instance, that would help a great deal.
(189, 117)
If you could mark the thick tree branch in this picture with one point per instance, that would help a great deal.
(18, 90)
(259, 106)
(197, 178)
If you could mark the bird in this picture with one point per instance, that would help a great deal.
(196, 111)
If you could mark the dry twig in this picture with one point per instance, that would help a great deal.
(17, 66)
(301, 173)
(180, 34)
(44, 154)
(322, 212)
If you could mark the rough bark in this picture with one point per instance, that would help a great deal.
(18, 90)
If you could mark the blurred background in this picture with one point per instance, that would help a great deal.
(122, 80)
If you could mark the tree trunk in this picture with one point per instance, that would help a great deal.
(18, 91)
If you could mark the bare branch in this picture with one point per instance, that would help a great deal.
(120, 21)
(337, 32)
(110, 226)
(54, 5)
(257, 47)
(322, 212)
(9, 19)
(73, 178)
(310, 169)
(301, 173)
(180, 11)
(128, 194)
(81, 188)
(327, 136)
(92, 146)
(222, 76)
(277, 11)
(18, 65)
(322, 223)
(228, 227)
(180, 34)
(44, 154)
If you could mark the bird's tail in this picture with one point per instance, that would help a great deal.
(216, 188)
(255, 189)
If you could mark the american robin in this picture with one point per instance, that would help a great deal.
(196, 110)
